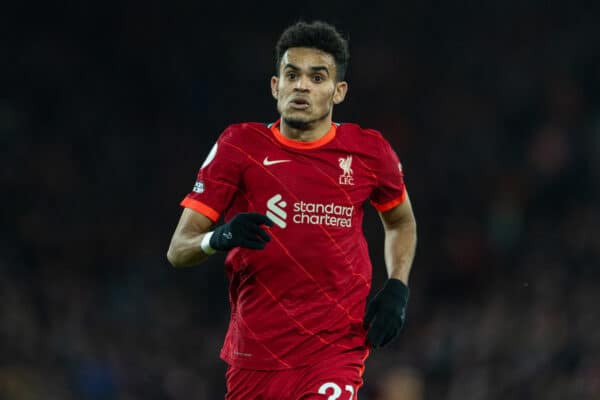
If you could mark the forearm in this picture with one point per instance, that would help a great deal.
(400, 245)
(185, 250)
(386, 312)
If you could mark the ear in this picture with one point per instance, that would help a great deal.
(341, 88)
(274, 87)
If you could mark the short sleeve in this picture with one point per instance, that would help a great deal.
(217, 181)
(390, 190)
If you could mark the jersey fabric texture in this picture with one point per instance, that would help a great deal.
(302, 299)
(339, 377)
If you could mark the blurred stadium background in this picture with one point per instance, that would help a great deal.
(107, 109)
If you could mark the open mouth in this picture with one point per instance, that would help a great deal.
(299, 103)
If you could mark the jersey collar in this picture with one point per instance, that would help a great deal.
(328, 137)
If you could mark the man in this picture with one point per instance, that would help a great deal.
(292, 195)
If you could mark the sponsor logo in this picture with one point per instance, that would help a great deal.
(346, 166)
(198, 187)
(268, 162)
(275, 210)
(327, 214)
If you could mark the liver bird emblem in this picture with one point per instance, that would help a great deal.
(346, 165)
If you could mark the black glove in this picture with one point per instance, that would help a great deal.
(242, 230)
(388, 307)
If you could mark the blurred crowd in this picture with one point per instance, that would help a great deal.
(107, 111)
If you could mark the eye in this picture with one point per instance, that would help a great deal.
(318, 78)
(291, 75)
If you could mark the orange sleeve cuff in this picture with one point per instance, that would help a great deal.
(390, 204)
(200, 207)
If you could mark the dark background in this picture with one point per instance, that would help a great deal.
(108, 109)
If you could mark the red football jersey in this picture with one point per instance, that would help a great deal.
(302, 298)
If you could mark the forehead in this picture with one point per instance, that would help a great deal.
(306, 57)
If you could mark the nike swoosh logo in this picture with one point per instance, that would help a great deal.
(266, 161)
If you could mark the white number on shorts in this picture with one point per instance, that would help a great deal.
(351, 390)
(337, 391)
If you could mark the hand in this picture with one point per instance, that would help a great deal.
(388, 308)
(242, 230)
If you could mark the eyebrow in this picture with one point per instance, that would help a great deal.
(316, 68)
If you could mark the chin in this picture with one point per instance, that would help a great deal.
(297, 123)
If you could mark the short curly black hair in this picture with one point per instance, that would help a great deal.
(319, 35)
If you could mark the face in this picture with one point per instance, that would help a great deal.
(306, 88)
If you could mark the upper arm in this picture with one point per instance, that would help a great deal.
(218, 179)
(398, 215)
(389, 190)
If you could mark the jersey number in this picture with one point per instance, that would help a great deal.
(337, 391)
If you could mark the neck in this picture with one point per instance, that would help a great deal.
(314, 130)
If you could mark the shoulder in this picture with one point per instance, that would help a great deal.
(365, 137)
(243, 132)
(350, 128)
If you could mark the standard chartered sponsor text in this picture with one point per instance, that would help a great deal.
(323, 214)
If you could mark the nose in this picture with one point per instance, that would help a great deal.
(302, 84)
